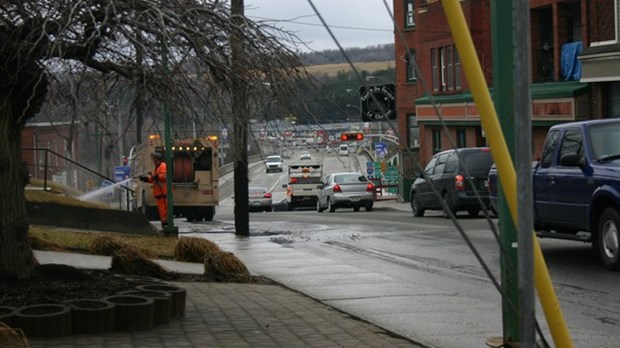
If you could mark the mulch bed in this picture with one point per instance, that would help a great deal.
(60, 283)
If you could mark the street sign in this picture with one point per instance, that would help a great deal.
(378, 102)
(122, 173)
(380, 148)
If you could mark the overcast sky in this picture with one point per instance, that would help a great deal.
(368, 21)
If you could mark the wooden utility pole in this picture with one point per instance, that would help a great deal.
(240, 121)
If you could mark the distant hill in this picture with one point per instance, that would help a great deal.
(339, 68)
(379, 53)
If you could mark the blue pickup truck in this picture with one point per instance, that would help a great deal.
(576, 186)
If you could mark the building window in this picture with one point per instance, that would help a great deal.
(435, 68)
(603, 22)
(461, 137)
(436, 134)
(457, 72)
(613, 99)
(411, 65)
(414, 131)
(409, 14)
(446, 69)
(450, 69)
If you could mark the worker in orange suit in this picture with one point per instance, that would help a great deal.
(158, 178)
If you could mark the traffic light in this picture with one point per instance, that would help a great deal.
(352, 136)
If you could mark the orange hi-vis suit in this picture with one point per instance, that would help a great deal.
(160, 190)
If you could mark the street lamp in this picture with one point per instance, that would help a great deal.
(354, 107)
(368, 78)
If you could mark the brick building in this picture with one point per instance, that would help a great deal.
(563, 33)
(53, 137)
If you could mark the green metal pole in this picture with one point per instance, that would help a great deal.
(503, 97)
(170, 229)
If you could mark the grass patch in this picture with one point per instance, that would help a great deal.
(155, 246)
(58, 194)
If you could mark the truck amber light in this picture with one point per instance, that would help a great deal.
(337, 188)
(459, 183)
(212, 138)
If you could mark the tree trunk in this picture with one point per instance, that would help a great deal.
(240, 123)
(16, 258)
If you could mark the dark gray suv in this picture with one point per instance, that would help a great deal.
(457, 175)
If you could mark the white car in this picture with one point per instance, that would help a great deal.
(305, 156)
(273, 163)
(343, 150)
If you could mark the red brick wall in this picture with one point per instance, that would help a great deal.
(46, 137)
(432, 31)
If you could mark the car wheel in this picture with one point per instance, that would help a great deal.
(368, 206)
(318, 206)
(473, 212)
(330, 206)
(356, 209)
(609, 238)
(416, 206)
(289, 206)
(447, 203)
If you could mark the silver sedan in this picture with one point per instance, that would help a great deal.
(345, 190)
(260, 199)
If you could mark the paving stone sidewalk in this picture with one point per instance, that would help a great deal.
(245, 315)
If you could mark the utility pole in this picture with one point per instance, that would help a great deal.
(522, 71)
(240, 122)
(503, 97)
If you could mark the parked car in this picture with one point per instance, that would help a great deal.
(345, 190)
(260, 199)
(273, 163)
(343, 150)
(459, 177)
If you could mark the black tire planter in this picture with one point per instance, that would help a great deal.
(7, 315)
(92, 316)
(179, 296)
(133, 313)
(162, 302)
(44, 320)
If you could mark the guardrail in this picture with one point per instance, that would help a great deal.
(229, 167)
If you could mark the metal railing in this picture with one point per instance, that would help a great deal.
(62, 168)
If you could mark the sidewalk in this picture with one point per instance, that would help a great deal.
(233, 315)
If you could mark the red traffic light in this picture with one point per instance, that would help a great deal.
(351, 136)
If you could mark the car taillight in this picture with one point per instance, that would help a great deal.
(268, 195)
(459, 183)
(337, 188)
(293, 180)
(370, 187)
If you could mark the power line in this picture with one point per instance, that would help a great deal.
(318, 24)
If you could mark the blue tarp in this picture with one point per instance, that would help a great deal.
(571, 67)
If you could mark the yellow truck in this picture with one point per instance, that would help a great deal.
(195, 177)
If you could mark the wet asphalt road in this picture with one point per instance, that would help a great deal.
(413, 276)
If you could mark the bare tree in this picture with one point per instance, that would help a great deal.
(128, 39)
